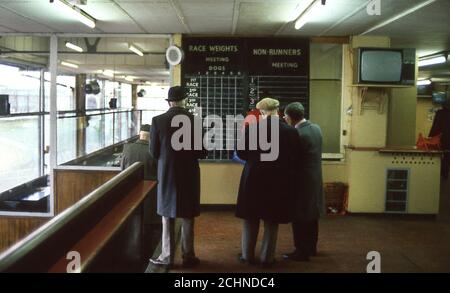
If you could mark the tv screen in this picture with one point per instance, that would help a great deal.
(382, 66)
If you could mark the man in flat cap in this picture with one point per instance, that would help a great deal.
(178, 180)
(310, 202)
(266, 186)
(139, 152)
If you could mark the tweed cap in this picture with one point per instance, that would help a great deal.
(145, 127)
(268, 104)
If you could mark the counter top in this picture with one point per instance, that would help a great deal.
(393, 150)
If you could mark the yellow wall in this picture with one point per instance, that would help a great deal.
(368, 181)
(368, 128)
(220, 181)
(176, 74)
(424, 119)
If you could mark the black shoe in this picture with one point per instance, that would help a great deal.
(191, 262)
(268, 265)
(289, 255)
(297, 257)
(242, 260)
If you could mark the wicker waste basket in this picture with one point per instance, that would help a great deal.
(336, 198)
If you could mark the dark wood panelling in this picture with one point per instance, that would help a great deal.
(73, 185)
(70, 187)
(12, 229)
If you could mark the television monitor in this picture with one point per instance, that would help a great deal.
(385, 66)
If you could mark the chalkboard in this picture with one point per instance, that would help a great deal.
(227, 76)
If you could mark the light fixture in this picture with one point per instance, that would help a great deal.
(424, 82)
(74, 47)
(432, 60)
(134, 49)
(68, 64)
(306, 12)
(129, 78)
(109, 73)
(78, 13)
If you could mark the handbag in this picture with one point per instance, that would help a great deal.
(429, 143)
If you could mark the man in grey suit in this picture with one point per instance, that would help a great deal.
(310, 202)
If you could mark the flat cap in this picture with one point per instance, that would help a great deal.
(268, 104)
(176, 93)
(145, 127)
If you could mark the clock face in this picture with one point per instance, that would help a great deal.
(174, 55)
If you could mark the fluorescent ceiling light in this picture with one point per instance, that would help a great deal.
(129, 78)
(68, 64)
(135, 50)
(78, 13)
(432, 61)
(424, 82)
(74, 47)
(109, 73)
(305, 16)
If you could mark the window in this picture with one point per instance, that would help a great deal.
(19, 146)
(153, 103)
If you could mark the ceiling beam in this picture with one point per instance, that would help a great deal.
(236, 9)
(399, 16)
(176, 7)
(132, 18)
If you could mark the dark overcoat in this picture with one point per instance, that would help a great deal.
(178, 170)
(139, 152)
(310, 198)
(266, 187)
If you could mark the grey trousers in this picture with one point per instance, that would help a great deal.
(168, 239)
(269, 242)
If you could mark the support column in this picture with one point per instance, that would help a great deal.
(53, 116)
(80, 107)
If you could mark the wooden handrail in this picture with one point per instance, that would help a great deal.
(97, 238)
(44, 247)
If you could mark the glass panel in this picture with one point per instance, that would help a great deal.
(395, 207)
(22, 88)
(67, 137)
(396, 196)
(19, 144)
(397, 185)
(398, 175)
(94, 133)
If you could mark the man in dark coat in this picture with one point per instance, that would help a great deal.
(441, 125)
(178, 178)
(266, 187)
(310, 201)
(139, 152)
